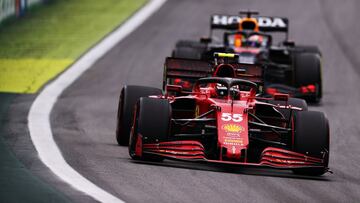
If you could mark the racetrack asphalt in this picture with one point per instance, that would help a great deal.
(84, 118)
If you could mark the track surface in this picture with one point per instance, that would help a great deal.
(84, 118)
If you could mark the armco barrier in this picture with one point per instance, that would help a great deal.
(17, 8)
(7, 9)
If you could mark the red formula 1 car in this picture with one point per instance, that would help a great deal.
(223, 121)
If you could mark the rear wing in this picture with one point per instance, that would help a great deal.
(266, 24)
(184, 72)
(186, 68)
(190, 70)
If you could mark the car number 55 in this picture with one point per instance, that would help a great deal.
(234, 117)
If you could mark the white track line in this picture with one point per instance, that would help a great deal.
(39, 115)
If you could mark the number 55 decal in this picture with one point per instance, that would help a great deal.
(234, 117)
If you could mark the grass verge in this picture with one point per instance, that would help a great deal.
(36, 48)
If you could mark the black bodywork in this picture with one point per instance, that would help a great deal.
(283, 63)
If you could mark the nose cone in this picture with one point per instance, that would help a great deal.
(233, 137)
(233, 153)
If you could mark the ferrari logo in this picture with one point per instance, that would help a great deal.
(233, 149)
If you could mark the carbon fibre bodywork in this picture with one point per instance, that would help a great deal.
(288, 68)
(223, 121)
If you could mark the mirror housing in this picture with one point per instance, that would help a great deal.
(289, 43)
(174, 88)
(281, 97)
(205, 40)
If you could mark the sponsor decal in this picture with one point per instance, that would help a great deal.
(225, 20)
(232, 135)
(234, 142)
(236, 117)
(289, 161)
(232, 128)
(247, 59)
(268, 22)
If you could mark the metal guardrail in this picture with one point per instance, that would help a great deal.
(9, 8)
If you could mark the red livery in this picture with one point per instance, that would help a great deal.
(223, 120)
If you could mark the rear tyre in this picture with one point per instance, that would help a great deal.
(312, 138)
(189, 49)
(152, 128)
(308, 72)
(300, 103)
(128, 98)
(308, 49)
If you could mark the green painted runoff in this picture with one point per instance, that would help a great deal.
(36, 48)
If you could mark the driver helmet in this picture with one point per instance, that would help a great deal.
(255, 41)
(238, 40)
(221, 91)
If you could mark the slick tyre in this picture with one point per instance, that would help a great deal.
(307, 71)
(188, 49)
(127, 101)
(152, 121)
(312, 139)
(308, 49)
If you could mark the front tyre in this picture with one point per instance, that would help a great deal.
(152, 121)
(129, 96)
(189, 49)
(312, 139)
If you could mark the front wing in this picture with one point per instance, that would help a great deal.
(189, 150)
